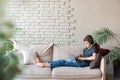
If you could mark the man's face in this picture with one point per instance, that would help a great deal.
(87, 44)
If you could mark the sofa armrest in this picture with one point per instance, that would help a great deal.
(103, 68)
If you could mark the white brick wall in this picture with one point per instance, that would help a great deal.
(42, 21)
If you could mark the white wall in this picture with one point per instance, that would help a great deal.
(91, 15)
(63, 21)
(42, 21)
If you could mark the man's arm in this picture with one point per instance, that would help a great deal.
(93, 57)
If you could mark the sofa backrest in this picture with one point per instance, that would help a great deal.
(46, 52)
(61, 52)
(27, 53)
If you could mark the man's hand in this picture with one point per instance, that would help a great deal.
(93, 57)
(77, 57)
(80, 58)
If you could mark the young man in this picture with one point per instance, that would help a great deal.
(89, 54)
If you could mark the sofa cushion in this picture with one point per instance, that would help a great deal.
(24, 52)
(28, 56)
(76, 73)
(34, 72)
(61, 52)
(102, 51)
(24, 56)
(45, 52)
(96, 63)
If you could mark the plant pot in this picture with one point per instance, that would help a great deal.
(117, 69)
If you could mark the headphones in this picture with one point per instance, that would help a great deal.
(91, 40)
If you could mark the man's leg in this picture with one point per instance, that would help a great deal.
(71, 64)
(52, 64)
(83, 64)
(59, 63)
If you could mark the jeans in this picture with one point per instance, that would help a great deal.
(69, 63)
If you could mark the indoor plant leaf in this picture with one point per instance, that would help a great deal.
(103, 35)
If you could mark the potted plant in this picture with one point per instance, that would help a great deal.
(8, 61)
(101, 37)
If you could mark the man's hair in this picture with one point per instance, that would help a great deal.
(89, 38)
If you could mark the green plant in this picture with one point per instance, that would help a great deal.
(101, 37)
(8, 61)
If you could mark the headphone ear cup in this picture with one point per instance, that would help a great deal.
(91, 41)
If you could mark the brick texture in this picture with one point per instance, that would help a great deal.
(42, 21)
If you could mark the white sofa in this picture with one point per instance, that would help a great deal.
(30, 71)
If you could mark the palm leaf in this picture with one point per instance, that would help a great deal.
(103, 35)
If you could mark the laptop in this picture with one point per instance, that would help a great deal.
(71, 56)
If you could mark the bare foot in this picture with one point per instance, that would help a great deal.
(37, 59)
(40, 64)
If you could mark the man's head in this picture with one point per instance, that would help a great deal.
(88, 40)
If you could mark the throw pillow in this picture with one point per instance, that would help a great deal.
(103, 51)
(28, 57)
(96, 63)
(45, 52)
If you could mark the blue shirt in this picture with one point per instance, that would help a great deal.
(89, 51)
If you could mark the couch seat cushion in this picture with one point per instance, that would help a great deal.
(75, 72)
(34, 72)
